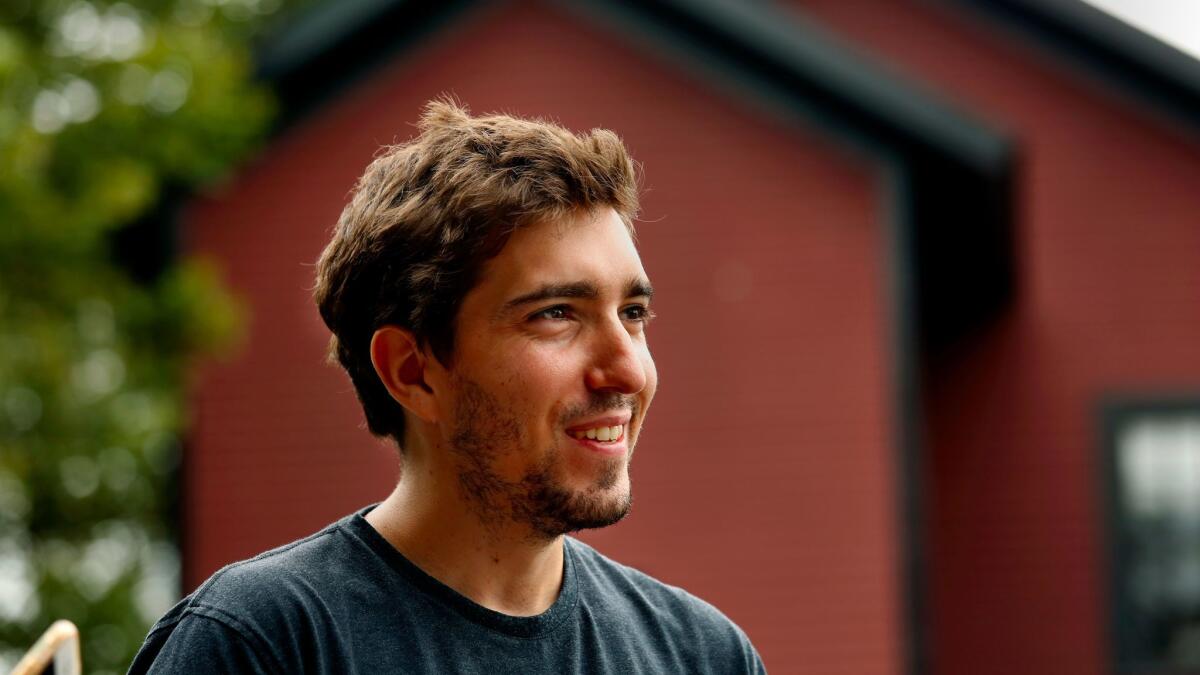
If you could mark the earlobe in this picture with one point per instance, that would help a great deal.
(400, 364)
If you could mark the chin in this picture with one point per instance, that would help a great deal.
(555, 510)
(594, 513)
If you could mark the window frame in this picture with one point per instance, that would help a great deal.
(1118, 414)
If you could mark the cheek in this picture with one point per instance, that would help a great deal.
(536, 384)
(551, 364)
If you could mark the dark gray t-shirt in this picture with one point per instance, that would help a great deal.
(345, 601)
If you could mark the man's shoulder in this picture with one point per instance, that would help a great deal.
(287, 570)
(664, 612)
(283, 580)
(242, 617)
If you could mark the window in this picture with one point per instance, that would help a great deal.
(1153, 463)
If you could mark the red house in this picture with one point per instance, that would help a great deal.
(928, 278)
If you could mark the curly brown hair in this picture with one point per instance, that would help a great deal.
(428, 213)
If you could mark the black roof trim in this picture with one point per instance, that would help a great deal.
(1138, 63)
(329, 46)
(782, 45)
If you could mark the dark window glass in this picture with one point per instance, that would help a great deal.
(1154, 484)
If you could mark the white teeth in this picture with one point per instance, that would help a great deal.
(604, 434)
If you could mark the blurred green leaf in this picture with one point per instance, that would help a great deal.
(101, 105)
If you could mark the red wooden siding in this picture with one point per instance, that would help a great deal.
(1108, 301)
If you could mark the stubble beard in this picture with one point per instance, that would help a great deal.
(484, 429)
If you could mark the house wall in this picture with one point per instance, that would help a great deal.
(1108, 280)
(764, 481)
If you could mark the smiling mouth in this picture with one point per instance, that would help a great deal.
(601, 434)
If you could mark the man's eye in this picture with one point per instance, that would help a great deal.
(556, 313)
(639, 313)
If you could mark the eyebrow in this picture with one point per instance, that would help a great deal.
(577, 289)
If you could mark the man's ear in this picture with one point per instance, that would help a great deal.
(401, 366)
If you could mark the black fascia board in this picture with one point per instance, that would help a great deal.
(783, 47)
(1154, 72)
(327, 47)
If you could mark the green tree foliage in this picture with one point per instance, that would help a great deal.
(101, 105)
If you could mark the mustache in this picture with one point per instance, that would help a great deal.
(599, 403)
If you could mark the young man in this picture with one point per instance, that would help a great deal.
(486, 298)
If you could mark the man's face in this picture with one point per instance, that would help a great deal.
(552, 377)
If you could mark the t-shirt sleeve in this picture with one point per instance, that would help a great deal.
(200, 643)
(754, 662)
(743, 657)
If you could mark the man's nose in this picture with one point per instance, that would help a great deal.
(617, 360)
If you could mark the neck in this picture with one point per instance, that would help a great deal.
(498, 565)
